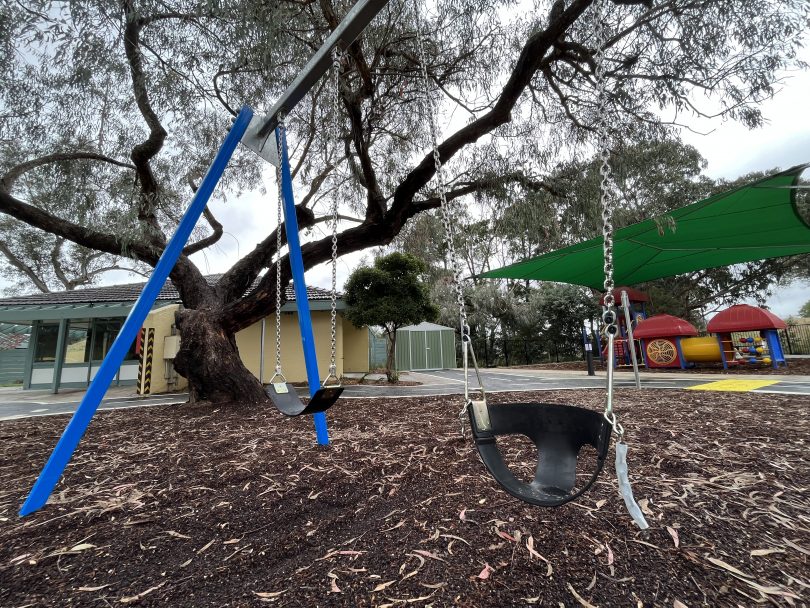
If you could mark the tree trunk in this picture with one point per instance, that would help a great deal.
(210, 360)
(390, 359)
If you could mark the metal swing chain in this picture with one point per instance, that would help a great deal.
(335, 135)
(609, 315)
(466, 344)
(279, 215)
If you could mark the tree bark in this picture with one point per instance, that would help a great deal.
(209, 359)
(391, 372)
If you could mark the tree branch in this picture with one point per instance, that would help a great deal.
(143, 153)
(81, 235)
(216, 226)
(23, 268)
(528, 63)
(13, 174)
(57, 264)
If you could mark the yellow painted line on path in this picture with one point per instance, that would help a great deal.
(734, 386)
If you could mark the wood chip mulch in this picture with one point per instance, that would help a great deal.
(196, 506)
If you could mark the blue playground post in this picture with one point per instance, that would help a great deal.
(300, 285)
(78, 424)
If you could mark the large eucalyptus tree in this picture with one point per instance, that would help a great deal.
(135, 95)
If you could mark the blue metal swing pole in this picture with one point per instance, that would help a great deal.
(77, 426)
(299, 284)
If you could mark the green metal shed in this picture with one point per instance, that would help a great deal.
(426, 346)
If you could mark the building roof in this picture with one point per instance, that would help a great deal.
(129, 292)
(425, 326)
(13, 336)
(117, 300)
(663, 326)
(744, 317)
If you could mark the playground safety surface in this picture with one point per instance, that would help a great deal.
(200, 506)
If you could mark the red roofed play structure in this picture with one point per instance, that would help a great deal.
(744, 317)
(664, 326)
(668, 341)
(634, 295)
(747, 318)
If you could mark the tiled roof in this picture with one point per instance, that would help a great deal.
(13, 336)
(130, 292)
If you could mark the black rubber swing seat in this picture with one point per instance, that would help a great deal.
(287, 401)
(558, 431)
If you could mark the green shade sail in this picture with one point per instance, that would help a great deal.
(754, 222)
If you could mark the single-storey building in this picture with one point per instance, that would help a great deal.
(70, 332)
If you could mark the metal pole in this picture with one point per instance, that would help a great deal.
(588, 352)
(91, 328)
(78, 424)
(59, 358)
(300, 286)
(30, 354)
(630, 343)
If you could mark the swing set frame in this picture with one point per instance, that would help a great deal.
(253, 133)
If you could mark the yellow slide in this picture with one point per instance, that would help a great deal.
(701, 350)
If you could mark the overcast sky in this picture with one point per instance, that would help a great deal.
(732, 150)
(729, 148)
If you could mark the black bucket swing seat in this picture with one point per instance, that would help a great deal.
(558, 431)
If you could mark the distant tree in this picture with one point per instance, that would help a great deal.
(391, 294)
(804, 311)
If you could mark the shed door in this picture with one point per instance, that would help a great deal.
(433, 346)
(449, 349)
(418, 350)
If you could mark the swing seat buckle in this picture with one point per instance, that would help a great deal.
(335, 381)
(280, 388)
(479, 414)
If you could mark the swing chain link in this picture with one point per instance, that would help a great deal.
(336, 60)
(609, 314)
(605, 201)
(445, 212)
(279, 215)
(467, 352)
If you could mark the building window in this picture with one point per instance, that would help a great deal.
(78, 342)
(82, 338)
(106, 331)
(47, 335)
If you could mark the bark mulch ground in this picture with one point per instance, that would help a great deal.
(194, 506)
(795, 367)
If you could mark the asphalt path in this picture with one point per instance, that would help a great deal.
(11, 409)
(434, 383)
(450, 382)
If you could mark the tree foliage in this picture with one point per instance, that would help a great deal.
(651, 178)
(391, 294)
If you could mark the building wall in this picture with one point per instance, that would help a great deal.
(161, 320)
(292, 352)
(355, 349)
(248, 341)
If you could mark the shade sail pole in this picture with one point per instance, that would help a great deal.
(78, 424)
